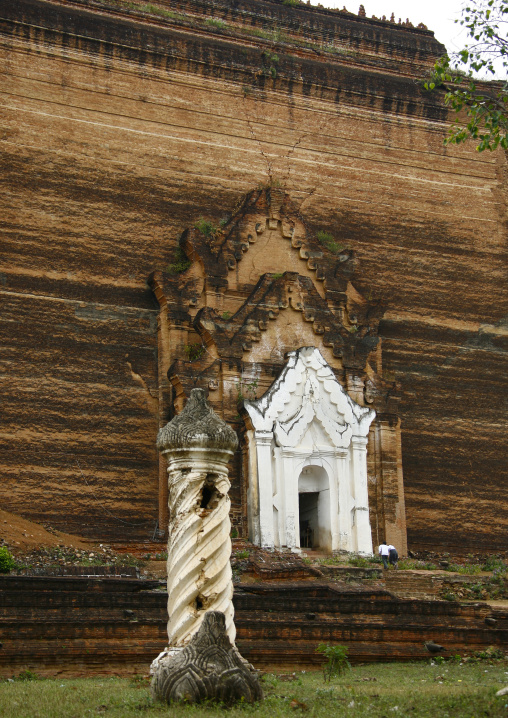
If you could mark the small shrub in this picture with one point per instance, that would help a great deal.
(194, 351)
(27, 676)
(359, 561)
(492, 563)
(214, 22)
(327, 240)
(205, 227)
(489, 653)
(234, 533)
(477, 590)
(270, 57)
(242, 554)
(337, 662)
(291, 3)
(7, 562)
(466, 569)
(180, 263)
(411, 563)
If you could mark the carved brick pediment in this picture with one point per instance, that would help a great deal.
(264, 261)
(273, 294)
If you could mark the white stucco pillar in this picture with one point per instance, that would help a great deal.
(291, 499)
(362, 523)
(263, 441)
(331, 468)
(344, 495)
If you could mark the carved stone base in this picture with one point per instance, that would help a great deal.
(208, 668)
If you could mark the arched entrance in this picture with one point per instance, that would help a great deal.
(314, 509)
(308, 461)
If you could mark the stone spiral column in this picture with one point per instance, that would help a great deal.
(198, 446)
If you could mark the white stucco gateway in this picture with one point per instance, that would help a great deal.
(308, 461)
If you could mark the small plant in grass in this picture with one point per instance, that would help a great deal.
(336, 660)
(7, 562)
(490, 653)
(28, 676)
(139, 681)
(270, 679)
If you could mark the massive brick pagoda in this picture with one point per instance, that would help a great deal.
(121, 128)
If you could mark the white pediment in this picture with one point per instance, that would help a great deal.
(305, 392)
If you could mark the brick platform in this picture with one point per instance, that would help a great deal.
(77, 626)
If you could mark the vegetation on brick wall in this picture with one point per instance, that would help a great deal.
(7, 562)
(180, 262)
(327, 240)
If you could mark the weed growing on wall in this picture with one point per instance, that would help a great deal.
(180, 262)
(246, 388)
(194, 351)
(214, 22)
(7, 562)
(206, 227)
(327, 240)
(270, 61)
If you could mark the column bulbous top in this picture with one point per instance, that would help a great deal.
(197, 427)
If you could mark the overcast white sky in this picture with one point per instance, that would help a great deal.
(438, 15)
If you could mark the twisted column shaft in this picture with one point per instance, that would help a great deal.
(199, 547)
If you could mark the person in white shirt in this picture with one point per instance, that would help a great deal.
(384, 552)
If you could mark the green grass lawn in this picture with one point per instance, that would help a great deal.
(377, 690)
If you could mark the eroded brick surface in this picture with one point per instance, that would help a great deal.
(121, 129)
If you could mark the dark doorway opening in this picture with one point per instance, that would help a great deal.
(308, 514)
